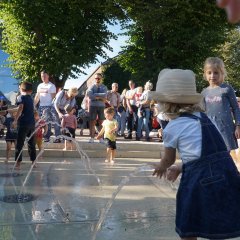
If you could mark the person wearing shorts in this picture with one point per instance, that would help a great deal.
(97, 94)
(109, 128)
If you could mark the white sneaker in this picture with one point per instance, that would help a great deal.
(91, 140)
(101, 140)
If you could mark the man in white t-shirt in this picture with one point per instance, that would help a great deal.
(46, 92)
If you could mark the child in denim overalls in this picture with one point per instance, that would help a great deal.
(209, 193)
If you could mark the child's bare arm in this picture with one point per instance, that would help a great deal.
(168, 159)
(100, 133)
(36, 99)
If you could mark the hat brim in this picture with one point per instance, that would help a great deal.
(181, 98)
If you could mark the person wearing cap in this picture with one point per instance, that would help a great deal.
(97, 95)
(46, 92)
(208, 195)
(63, 98)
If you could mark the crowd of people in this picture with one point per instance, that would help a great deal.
(56, 113)
(202, 127)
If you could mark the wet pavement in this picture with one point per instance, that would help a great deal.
(71, 195)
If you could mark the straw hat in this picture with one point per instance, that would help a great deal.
(176, 86)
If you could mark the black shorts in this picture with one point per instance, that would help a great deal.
(71, 132)
(110, 144)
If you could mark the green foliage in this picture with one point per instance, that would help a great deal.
(58, 35)
(62, 36)
(231, 55)
(172, 34)
(113, 72)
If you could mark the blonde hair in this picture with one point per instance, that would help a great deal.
(216, 63)
(73, 91)
(149, 85)
(173, 110)
(109, 110)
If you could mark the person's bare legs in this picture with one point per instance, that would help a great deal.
(112, 155)
(65, 145)
(100, 124)
(8, 151)
(92, 124)
(108, 155)
(73, 145)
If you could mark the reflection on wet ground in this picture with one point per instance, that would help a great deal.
(69, 201)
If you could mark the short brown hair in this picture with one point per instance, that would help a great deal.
(26, 86)
(109, 110)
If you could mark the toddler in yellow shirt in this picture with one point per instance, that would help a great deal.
(109, 128)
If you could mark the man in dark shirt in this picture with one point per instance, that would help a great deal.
(25, 123)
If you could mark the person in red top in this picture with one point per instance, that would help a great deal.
(69, 125)
(41, 130)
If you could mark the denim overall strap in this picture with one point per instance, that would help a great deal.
(212, 141)
(208, 196)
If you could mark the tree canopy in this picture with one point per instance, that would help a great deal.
(171, 34)
(59, 36)
(230, 52)
(62, 36)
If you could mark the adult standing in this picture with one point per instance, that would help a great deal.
(122, 113)
(113, 98)
(46, 92)
(131, 109)
(144, 112)
(63, 98)
(97, 94)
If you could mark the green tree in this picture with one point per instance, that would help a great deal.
(113, 72)
(231, 55)
(59, 36)
(173, 34)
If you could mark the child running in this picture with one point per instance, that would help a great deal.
(109, 128)
(221, 102)
(42, 129)
(69, 122)
(209, 194)
(11, 134)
